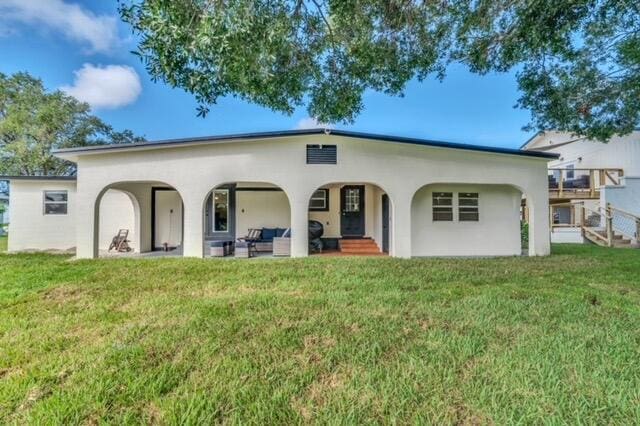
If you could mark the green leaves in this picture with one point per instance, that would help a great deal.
(33, 122)
(578, 60)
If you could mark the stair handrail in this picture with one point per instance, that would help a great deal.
(623, 212)
(608, 237)
(636, 234)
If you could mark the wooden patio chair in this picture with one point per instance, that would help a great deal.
(252, 237)
(120, 243)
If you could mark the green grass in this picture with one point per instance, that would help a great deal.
(514, 340)
(3, 244)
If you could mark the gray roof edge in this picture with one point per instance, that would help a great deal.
(287, 133)
(18, 177)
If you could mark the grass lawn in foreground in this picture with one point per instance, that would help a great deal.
(332, 340)
(3, 244)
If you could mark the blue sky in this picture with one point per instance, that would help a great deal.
(82, 46)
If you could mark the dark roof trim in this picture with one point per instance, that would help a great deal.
(64, 178)
(286, 133)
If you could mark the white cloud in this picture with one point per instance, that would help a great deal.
(111, 86)
(76, 23)
(311, 123)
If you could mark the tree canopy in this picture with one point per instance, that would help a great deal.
(34, 121)
(577, 61)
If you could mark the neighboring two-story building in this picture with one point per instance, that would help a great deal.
(591, 182)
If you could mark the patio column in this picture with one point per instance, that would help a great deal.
(539, 232)
(86, 222)
(299, 225)
(401, 226)
(193, 237)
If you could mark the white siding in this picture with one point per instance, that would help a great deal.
(497, 233)
(397, 168)
(620, 152)
(261, 209)
(116, 212)
(168, 220)
(330, 219)
(30, 228)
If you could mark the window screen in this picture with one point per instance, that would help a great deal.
(442, 206)
(468, 207)
(55, 202)
(321, 154)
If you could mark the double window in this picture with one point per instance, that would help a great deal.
(319, 201)
(55, 202)
(443, 206)
(468, 207)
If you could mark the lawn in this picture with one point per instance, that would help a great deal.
(331, 340)
(3, 244)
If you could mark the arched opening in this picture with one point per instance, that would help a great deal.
(147, 215)
(350, 218)
(118, 211)
(462, 219)
(247, 219)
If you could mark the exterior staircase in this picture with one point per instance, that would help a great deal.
(359, 247)
(617, 240)
(621, 229)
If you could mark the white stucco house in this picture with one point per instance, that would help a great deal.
(4, 212)
(407, 197)
(591, 176)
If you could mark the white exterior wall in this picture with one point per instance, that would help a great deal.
(567, 235)
(261, 209)
(29, 227)
(625, 197)
(497, 233)
(116, 212)
(168, 220)
(398, 169)
(331, 218)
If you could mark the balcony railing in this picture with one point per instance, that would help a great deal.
(581, 183)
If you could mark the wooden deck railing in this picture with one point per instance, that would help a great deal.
(581, 183)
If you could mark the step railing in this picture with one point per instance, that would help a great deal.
(596, 225)
(624, 222)
(600, 225)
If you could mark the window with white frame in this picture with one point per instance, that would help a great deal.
(319, 201)
(442, 206)
(55, 202)
(468, 208)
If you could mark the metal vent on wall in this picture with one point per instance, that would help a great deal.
(321, 154)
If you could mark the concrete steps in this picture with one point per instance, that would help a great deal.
(360, 246)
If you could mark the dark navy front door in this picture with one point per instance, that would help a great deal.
(352, 211)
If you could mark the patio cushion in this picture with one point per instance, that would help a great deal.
(268, 234)
(280, 232)
(218, 243)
